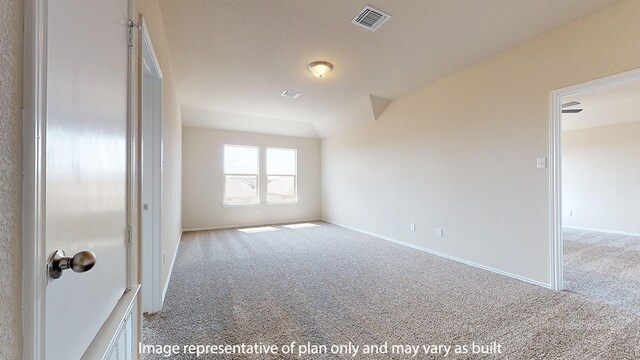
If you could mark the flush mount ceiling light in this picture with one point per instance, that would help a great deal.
(320, 68)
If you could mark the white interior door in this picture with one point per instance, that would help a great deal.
(86, 166)
(151, 177)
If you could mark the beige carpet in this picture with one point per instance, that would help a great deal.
(603, 266)
(328, 285)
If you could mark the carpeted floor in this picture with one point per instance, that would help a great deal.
(603, 266)
(328, 285)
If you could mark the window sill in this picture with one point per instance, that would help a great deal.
(282, 202)
(240, 204)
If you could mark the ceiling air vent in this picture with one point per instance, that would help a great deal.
(370, 18)
(290, 94)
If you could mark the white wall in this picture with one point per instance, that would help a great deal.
(460, 153)
(11, 42)
(203, 180)
(601, 177)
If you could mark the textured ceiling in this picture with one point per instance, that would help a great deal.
(606, 106)
(236, 57)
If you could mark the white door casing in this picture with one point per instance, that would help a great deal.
(76, 172)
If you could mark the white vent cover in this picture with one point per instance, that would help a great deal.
(370, 18)
(290, 94)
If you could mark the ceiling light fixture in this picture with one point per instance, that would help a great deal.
(320, 68)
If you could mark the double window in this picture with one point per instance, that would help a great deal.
(242, 175)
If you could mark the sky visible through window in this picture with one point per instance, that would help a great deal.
(281, 162)
(240, 160)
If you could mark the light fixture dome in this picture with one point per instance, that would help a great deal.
(320, 68)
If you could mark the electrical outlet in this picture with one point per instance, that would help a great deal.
(440, 232)
(412, 227)
(164, 258)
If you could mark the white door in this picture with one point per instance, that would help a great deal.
(86, 166)
(151, 131)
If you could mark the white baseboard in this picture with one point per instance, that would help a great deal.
(173, 261)
(432, 252)
(601, 230)
(250, 225)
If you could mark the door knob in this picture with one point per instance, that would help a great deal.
(80, 262)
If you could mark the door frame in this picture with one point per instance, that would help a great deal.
(34, 280)
(151, 249)
(555, 166)
(34, 274)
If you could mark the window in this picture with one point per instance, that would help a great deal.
(281, 175)
(240, 175)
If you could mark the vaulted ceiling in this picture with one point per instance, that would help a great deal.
(233, 59)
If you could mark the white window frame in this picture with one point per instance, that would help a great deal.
(295, 176)
(224, 178)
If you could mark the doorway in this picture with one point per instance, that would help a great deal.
(151, 176)
(593, 224)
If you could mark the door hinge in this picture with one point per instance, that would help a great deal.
(132, 27)
(129, 234)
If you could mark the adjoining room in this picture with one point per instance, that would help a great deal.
(601, 193)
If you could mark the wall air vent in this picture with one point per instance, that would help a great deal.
(290, 94)
(370, 18)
